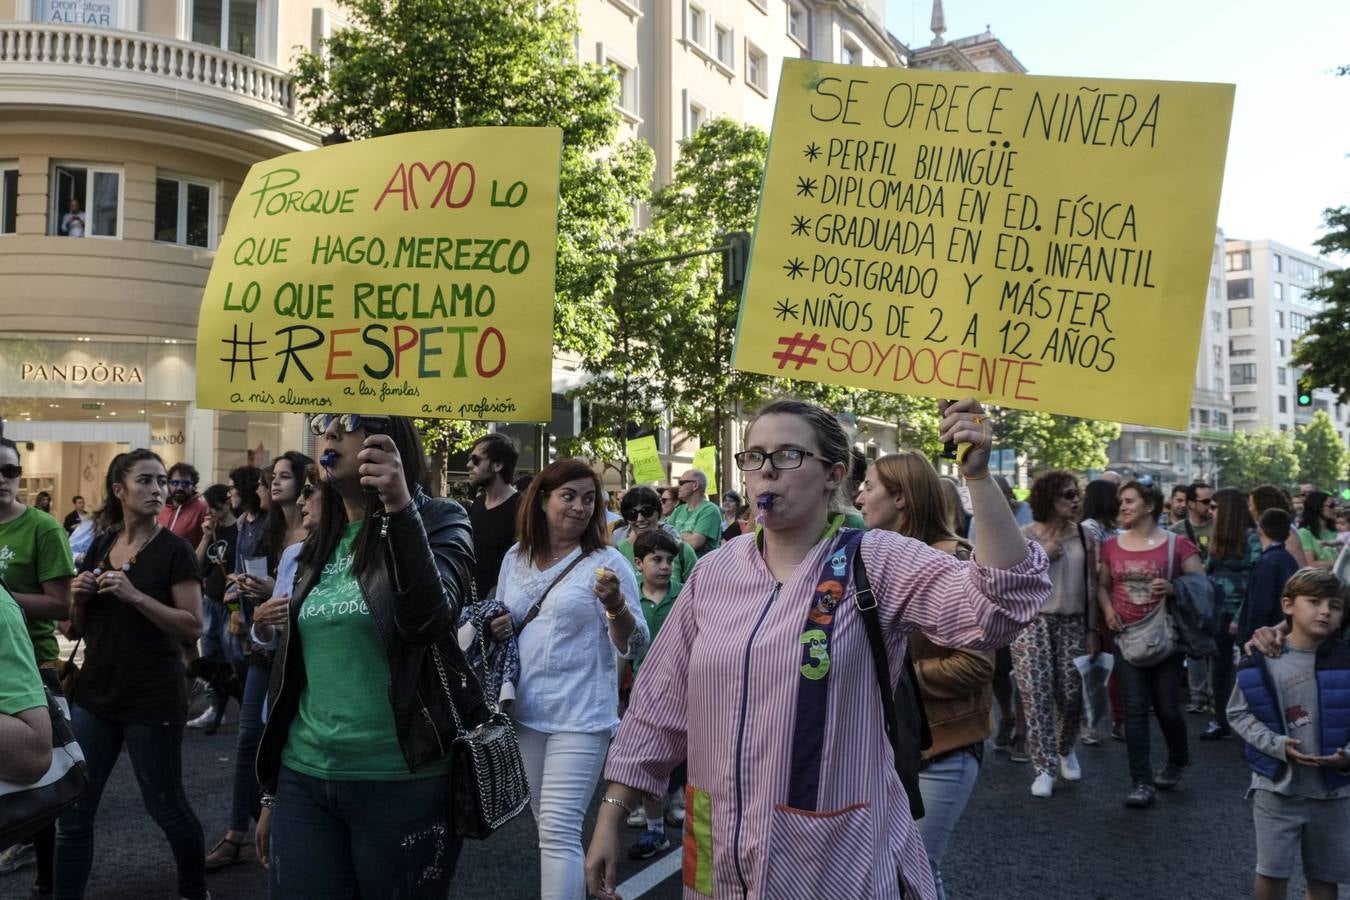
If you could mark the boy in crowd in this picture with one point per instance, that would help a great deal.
(1265, 587)
(1293, 711)
(655, 552)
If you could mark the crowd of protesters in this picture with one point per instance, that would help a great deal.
(318, 596)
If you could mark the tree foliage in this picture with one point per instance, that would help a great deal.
(1258, 457)
(1055, 442)
(414, 65)
(1322, 455)
(1324, 350)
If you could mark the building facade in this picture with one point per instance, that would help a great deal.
(1269, 308)
(125, 130)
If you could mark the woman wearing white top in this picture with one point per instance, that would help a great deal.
(573, 601)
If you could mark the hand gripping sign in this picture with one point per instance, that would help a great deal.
(406, 275)
(1023, 240)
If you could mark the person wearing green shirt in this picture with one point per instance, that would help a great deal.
(697, 519)
(655, 552)
(35, 560)
(1315, 523)
(25, 727)
(641, 509)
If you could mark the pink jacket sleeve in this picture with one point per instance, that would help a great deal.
(954, 603)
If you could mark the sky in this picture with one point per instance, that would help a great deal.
(1287, 151)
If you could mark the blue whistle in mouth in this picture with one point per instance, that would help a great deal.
(328, 458)
(765, 501)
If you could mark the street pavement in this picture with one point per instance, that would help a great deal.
(1196, 842)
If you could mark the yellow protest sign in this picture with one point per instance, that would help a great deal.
(705, 460)
(406, 275)
(1042, 243)
(645, 458)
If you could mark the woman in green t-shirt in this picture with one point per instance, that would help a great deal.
(1316, 523)
(353, 759)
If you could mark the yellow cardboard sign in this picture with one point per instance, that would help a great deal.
(406, 275)
(645, 458)
(705, 460)
(1041, 243)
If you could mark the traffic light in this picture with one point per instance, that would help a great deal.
(1304, 397)
(552, 448)
(735, 259)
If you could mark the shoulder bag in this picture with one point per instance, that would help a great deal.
(26, 809)
(488, 786)
(902, 709)
(533, 612)
(1153, 638)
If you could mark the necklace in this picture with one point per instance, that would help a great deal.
(131, 560)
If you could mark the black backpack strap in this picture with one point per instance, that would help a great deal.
(906, 760)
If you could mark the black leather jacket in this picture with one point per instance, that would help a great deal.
(414, 593)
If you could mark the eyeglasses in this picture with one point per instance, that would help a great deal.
(11, 471)
(782, 458)
(308, 491)
(349, 423)
(1070, 495)
(638, 512)
(474, 461)
(1209, 502)
(179, 482)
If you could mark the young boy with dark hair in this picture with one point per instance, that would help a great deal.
(654, 553)
(1265, 587)
(1293, 711)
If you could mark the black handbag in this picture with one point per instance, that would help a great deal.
(901, 706)
(488, 787)
(26, 809)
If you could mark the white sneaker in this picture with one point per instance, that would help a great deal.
(637, 818)
(1069, 768)
(1043, 786)
(204, 720)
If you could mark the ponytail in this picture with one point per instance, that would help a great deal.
(110, 517)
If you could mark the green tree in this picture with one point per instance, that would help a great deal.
(414, 65)
(1265, 456)
(1324, 350)
(1055, 442)
(1322, 455)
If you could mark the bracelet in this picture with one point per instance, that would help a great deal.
(620, 804)
(614, 616)
(975, 477)
(268, 800)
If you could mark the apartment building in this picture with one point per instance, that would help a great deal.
(1267, 287)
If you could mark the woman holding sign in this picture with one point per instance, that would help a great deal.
(352, 760)
(767, 650)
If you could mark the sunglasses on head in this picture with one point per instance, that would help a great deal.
(639, 511)
(350, 422)
(11, 471)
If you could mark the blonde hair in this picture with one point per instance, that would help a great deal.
(927, 515)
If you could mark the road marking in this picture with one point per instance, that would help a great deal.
(652, 876)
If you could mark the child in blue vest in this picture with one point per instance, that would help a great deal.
(1293, 711)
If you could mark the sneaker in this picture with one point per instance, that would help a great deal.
(15, 858)
(637, 818)
(1090, 739)
(1069, 769)
(1117, 731)
(1043, 786)
(1168, 777)
(650, 844)
(205, 720)
(1017, 752)
(675, 809)
(1216, 732)
(1141, 797)
(1196, 709)
(1004, 738)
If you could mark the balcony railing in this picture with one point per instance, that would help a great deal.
(100, 51)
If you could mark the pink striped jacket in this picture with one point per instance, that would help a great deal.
(720, 687)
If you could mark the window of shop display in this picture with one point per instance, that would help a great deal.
(229, 24)
(9, 199)
(86, 201)
(184, 211)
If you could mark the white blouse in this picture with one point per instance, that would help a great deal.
(569, 677)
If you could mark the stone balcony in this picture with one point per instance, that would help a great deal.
(47, 67)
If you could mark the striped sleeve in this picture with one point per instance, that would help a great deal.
(954, 603)
(652, 736)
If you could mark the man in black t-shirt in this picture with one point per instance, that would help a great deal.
(492, 469)
(215, 559)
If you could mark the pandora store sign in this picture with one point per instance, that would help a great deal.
(96, 370)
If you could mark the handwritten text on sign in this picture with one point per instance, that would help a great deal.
(1038, 242)
(407, 275)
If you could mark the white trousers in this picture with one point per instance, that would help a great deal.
(563, 770)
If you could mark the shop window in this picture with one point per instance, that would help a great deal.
(229, 24)
(9, 199)
(87, 201)
(183, 212)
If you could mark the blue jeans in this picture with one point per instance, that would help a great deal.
(214, 616)
(332, 840)
(157, 759)
(945, 786)
(1160, 687)
(245, 804)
